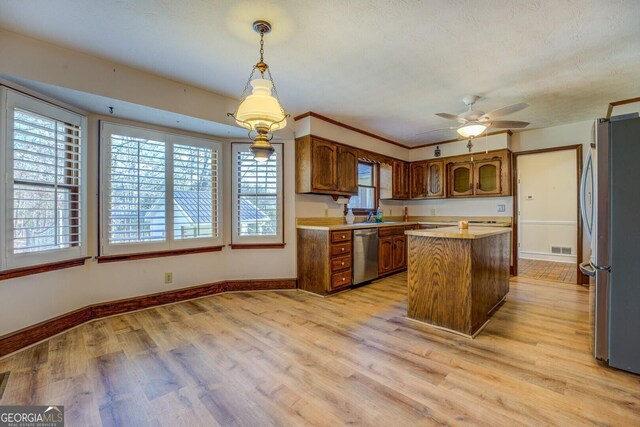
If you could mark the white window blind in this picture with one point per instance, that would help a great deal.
(195, 203)
(159, 190)
(44, 193)
(257, 197)
(137, 190)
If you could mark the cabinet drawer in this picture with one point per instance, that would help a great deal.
(391, 231)
(340, 263)
(341, 248)
(340, 236)
(342, 279)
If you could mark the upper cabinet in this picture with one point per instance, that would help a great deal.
(327, 167)
(427, 179)
(324, 167)
(480, 175)
(400, 180)
(418, 180)
(487, 176)
(347, 170)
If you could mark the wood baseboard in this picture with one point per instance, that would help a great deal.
(25, 337)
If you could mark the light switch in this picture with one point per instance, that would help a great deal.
(502, 208)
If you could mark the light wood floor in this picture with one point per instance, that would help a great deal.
(291, 358)
(548, 270)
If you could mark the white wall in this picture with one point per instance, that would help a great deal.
(548, 202)
(31, 299)
(480, 145)
(481, 206)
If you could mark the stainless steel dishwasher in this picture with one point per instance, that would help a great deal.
(365, 255)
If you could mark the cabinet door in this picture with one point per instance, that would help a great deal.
(385, 255)
(417, 178)
(406, 181)
(461, 179)
(400, 179)
(399, 252)
(487, 177)
(324, 171)
(347, 170)
(435, 182)
(386, 181)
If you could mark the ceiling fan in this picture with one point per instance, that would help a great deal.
(474, 122)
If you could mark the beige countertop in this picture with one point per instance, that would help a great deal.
(359, 225)
(356, 225)
(474, 232)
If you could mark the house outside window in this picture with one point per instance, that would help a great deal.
(43, 215)
(367, 199)
(159, 191)
(257, 198)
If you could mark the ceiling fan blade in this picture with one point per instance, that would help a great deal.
(509, 124)
(437, 130)
(504, 111)
(449, 116)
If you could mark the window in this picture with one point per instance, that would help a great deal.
(366, 201)
(44, 196)
(257, 197)
(159, 191)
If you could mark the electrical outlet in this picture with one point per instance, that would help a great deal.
(326, 212)
(168, 278)
(433, 212)
(502, 208)
(390, 212)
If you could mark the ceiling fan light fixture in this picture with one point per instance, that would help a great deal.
(260, 112)
(471, 130)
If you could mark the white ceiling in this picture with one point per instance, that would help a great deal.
(383, 66)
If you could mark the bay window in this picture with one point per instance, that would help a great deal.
(159, 191)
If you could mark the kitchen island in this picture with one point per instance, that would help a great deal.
(456, 278)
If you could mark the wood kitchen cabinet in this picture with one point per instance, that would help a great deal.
(418, 180)
(392, 249)
(461, 179)
(324, 167)
(399, 252)
(385, 255)
(324, 260)
(427, 179)
(347, 170)
(435, 182)
(486, 175)
(400, 180)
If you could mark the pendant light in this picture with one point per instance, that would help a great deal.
(260, 112)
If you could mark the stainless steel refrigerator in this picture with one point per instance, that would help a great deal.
(610, 202)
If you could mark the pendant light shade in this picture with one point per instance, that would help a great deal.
(260, 112)
(261, 108)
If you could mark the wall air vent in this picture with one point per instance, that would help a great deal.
(561, 250)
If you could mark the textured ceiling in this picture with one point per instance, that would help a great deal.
(384, 66)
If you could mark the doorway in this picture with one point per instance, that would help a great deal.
(547, 221)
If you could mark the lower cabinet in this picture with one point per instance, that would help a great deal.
(392, 249)
(385, 255)
(324, 260)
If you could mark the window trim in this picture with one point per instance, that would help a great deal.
(376, 191)
(170, 246)
(256, 242)
(33, 262)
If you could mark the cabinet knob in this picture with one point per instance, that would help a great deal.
(343, 279)
(343, 236)
(342, 249)
(342, 262)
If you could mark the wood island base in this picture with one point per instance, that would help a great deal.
(456, 279)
